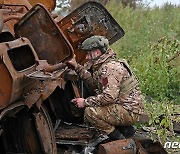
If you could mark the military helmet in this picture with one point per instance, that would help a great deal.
(95, 42)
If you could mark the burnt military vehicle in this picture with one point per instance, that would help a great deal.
(36, 84)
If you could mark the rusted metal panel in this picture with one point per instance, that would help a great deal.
(45, 131)
(1, 22)
(76, 90)
(47, 39)
(50, 86)
(16, 2)
(49, 4)
(74, 133)
(18, 58)
(45, 67)
(12, 11)
(17, 106)
(6, 85)
(146, 146)
(32, 97)
(126, 146)
(89, 19)
(45, 75)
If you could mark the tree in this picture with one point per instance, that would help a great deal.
(131, 3)
(62, 7)
(74, 3)
(66, 6)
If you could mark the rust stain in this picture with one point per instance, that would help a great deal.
(125, 146)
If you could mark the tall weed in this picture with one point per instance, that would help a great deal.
(159, 71)
(143, 26)
(152, 55)
(151, 46)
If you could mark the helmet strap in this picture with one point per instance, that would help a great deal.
(92, 58)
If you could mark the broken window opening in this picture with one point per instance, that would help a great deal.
(6, 36)
(21, 57)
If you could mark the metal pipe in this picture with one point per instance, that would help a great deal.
(126, 146)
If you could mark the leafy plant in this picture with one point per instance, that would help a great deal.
(151, 46)
(143, 26)
(161, 119)
(158, 70)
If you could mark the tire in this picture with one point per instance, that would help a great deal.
(29, 133)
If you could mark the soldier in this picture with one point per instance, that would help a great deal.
(117, 100)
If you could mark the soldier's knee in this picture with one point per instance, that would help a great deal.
(90, 113)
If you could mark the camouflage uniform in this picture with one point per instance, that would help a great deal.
(112, 105)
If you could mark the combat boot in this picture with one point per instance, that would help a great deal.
(127, 131)
(116, 135)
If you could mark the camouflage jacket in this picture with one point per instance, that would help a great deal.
(106, 80)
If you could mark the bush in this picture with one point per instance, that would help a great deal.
(151, 46)
(154, 60)
(158, 70)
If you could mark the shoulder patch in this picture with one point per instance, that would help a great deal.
(104, 81)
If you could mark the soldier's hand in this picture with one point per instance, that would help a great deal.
(73, 62)
(79, 102)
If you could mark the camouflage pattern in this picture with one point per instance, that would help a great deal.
(106, 80)
(107, 117)
(95, 42)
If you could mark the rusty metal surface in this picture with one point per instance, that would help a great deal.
(45, 67)
(50, 86)
(6, 85)
(17, 59)
(125, 146)
(41, 75)
(12, 11)
(8, 109)
(16, 2)
(32, 97)
(1, 22)
(74, 133)
(89, 19)
(45, 132)
(49, 4)
(45, 36)
(146, 146)
(24, 83)
(76, 90)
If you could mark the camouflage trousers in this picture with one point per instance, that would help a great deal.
(107, 117)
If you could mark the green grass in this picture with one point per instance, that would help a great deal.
(151, 46)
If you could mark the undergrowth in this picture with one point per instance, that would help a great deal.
(151, 46)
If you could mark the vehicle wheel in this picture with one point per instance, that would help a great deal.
(30, 133)
(62, 106)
